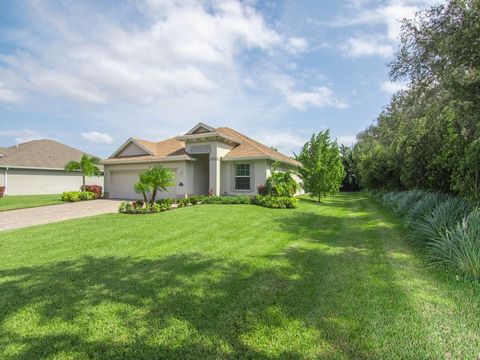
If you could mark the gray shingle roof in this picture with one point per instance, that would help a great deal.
(39, 154)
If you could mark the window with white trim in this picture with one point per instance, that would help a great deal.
(242, 176)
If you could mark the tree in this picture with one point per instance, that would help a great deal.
(87, 165)
(154, 179)
(322, 171)
(350, 182)
(281, 183)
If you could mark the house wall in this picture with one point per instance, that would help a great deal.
(120, 178)
(38, 182)
(258, 173)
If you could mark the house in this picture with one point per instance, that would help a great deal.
(37, 167)
(219, 161)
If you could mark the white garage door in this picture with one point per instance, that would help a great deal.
(121, 184)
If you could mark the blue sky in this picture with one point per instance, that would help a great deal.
(93, 73)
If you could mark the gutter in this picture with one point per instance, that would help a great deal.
(158, 159)
(5, 181)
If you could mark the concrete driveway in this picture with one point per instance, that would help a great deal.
(15, 219)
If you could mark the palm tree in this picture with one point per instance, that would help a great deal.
(87, 165)
(155, 178)
(142, 188)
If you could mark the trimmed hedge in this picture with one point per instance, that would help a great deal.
(74, 196)
(227, 200)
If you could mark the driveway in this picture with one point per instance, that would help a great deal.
(15, 219)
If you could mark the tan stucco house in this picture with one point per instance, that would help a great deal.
(221, 161)
(37, 167)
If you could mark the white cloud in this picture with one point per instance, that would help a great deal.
(97, 137)
(317, 96)
(7, 95)
(358, 47)
(285, 142)
(21, 136)
(347, 140)
(180, 48)
(391, 87)
(296, 45)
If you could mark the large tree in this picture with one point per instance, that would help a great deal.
(322, 170)
(88, 165)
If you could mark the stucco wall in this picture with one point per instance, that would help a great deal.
(37, 182)
(258, 173)
(120, 178)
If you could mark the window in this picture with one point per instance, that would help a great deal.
(242, 177)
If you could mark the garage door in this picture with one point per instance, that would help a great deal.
(121, 185)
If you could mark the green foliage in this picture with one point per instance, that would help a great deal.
(460, 246)
(139, 207)
(350, 165)
(154, 179)
(183, 202)
(427, 137)
(73, 196)
(322, 170)
(281, 183)
(88, 165)
(275, 202)
(233, 200)
(194, 199)
(167, 201)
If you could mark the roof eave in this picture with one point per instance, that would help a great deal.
(133, 160)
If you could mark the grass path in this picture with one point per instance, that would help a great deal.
(332, 281)
(28, 201)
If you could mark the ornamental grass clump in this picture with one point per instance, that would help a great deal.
(460, 246)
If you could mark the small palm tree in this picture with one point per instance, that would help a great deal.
(87, 165)
(153, 179)
(142, 188)
(281, 183)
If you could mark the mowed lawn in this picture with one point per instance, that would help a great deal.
(331, 281)
(28, 201)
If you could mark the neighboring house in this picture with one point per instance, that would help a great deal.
(205, 160)
(37, 167)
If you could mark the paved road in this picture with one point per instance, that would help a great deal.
(15, 219)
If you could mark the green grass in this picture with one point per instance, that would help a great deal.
(331, 281)
(28, 201)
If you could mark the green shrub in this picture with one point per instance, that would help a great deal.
(194, 199)
(183, 202)
(460, 247)
(165, 202)
(242, 199)
(137, 207)
(73, 196)
(424, 207)
(444, 217)
(276, 202)
(408, 201)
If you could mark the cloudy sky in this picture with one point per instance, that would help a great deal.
(93, 73)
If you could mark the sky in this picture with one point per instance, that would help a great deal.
(93, 73)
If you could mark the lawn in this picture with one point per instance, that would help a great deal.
(331, 281)
(28, 201)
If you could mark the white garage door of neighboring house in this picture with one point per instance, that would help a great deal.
(121, 186)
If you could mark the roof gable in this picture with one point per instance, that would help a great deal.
(131, 149)
(200, 128)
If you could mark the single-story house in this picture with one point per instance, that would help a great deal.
(37, 167)
(219, 161)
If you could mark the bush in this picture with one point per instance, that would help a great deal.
(276, 202)
(138, 207)
(424, 207)
(242, 199)
(408, 200)
(194, 199)
(262, 190)
(96, 189)
(460, 247)
(183, 202)
(166, 201)
(73, 196)
(2, 191)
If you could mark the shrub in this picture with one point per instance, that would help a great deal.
(183, 202)
(242, 199)
(444, 217)
(194, 199)
(73, 196)
(2, 191)
(96, 189)
(143, 208)
(460, 246)
(424, 207)
(276, 202)
(262, 190)
(167, 202)
(408, 200)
